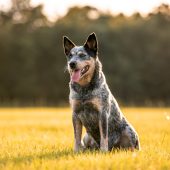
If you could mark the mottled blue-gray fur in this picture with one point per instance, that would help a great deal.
(94, 106)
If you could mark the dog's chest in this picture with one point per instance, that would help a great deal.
(88, 112)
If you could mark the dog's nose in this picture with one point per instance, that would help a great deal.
(73, 65)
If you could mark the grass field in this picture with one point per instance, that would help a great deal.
(42, 138)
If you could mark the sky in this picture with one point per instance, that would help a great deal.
(58, 8)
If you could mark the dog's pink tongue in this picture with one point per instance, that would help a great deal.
(75, 77)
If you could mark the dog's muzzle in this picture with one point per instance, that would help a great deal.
(73, 65)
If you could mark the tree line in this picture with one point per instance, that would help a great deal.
(135, 53)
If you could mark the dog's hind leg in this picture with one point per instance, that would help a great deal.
(89, 142)
(129, 139)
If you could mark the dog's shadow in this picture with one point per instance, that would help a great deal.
(40, 156)
(51, 156)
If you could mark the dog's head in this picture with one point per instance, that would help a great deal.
(81, 59)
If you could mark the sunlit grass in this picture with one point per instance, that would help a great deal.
(42, 138)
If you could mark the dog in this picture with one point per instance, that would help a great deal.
(93, 105)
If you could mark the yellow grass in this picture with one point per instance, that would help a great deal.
(42, 138)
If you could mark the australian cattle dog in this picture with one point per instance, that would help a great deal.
(93, 105)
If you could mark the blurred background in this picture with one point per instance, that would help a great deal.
(134, 44)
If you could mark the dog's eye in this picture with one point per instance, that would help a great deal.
(82, 55)
(70, 55)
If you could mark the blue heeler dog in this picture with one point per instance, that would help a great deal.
(93, 105)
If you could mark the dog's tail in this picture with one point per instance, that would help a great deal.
(137, 145)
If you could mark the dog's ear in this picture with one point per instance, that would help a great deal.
(91, 43)
(68, 45)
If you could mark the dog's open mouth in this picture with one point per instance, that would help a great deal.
(78, 74)
(84, 70)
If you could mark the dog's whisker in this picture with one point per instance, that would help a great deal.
(65, 69)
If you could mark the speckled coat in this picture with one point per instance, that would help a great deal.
(95, 108)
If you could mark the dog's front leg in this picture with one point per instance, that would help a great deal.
(103, 126)
(77, 133)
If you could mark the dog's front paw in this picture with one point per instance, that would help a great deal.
(104, 145)
(79, 148)
(104, 148)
